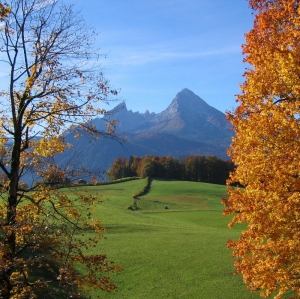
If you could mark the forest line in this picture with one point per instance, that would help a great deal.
(208, 169)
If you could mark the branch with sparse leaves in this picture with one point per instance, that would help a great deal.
(54, 83)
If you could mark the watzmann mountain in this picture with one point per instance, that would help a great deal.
(188, 126)
(187, 116)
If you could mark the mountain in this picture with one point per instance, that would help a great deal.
(190, 117)
(188, 126)
(187, 116)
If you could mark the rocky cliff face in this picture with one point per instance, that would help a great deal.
(188, 116)
(186, 103)
(188, 126)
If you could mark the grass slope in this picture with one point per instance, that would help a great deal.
(175, 253)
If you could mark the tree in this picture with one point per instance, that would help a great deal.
(118, 170)
(134, 162)
(146, 167)
(172, 168)
(53, 82)
(266, 152)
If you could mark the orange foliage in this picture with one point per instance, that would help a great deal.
(266, 152)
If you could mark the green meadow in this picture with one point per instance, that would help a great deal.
(179, 252)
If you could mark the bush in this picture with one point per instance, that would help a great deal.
(145, 189)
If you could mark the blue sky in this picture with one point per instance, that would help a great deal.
(156, 48)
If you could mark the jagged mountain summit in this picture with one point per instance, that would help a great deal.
(191, 117)
(188, 126)
(187, 116)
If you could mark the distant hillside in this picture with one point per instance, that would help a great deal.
(188, 126)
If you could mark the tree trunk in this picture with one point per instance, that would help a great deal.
(10, 238)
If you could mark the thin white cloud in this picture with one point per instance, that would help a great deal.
(43, 3)
(134, 57)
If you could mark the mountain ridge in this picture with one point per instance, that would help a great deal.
(183, 117)
(188, 126)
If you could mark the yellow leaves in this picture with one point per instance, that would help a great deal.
(16, 276)
(46, 95)
(97, 226)
(29, 83)
(4, 11)
(22, 292)
(74, 213)
(266, 151)
(50, 147)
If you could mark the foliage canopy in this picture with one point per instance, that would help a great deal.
(266, 152)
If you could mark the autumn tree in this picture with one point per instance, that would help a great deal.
(119, 169)
(266, 152)
(53, 83)
(147, 167)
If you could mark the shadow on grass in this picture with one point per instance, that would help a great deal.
(54, 290)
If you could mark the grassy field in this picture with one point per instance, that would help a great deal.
(179, 252)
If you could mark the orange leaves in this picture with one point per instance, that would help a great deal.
(266, 151)
(4, 11)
